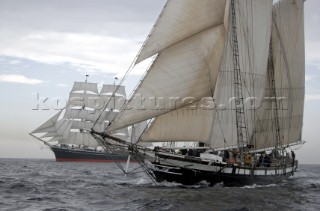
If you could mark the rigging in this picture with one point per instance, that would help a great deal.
(242, 132)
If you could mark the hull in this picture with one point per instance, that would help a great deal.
(76, 155)
(189, 171)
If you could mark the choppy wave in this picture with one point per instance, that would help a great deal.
(48, 185)
(258, 186)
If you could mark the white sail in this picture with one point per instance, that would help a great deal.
(60, 129)
(184, 124)
(88, 115)
(113, 89)
(253, 42)
(288, 63)
(187, 70)
(108, 116)
(179, 20)
(98, 127)
(121, 133)
(49, 125)
(49, 134)
(137, 130)
(63, 128)
(79, 138)
(85, 100)
(56, 139)
(85, 86)
(115, 102)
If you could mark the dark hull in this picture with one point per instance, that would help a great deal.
(228, 175)
(76, 155)
(178, 175)
(191, 177)
(242, 180)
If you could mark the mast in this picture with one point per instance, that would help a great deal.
(113, 95)
(85, 91)
(87, 78)
(84, 106)
(274, 100)
(242, 131)
(86, 81)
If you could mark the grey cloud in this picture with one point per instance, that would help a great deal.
(312, 20)
(89, 16)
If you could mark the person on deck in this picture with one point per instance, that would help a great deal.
(293, 155)
(226, 156)
(247, 160)
(233, 159)
(264, 160)
(267, 161)
(184, 151)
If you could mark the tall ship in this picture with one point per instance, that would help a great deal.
(67, 132)
(228, 75)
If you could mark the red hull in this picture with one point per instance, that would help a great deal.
(89, 160)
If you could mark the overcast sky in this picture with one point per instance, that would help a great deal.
(46, 45)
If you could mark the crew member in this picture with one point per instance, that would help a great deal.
(293, 155)
(247, 160)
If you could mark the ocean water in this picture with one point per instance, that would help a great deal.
(49, 185)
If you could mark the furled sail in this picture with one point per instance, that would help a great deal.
(253, 29)
(289, 74)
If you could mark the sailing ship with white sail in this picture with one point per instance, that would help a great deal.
(229, 74)
(66, 133)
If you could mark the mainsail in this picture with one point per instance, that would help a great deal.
(253, 41)
(287, 61)
(189, 92)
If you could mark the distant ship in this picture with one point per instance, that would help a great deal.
(67, 132)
